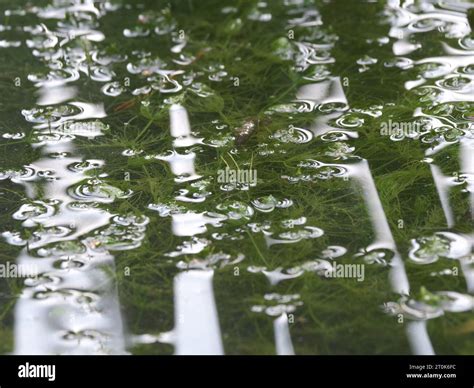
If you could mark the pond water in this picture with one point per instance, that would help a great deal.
(237, 177)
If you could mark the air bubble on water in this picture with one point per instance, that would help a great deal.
(335, 136)
(123, 233)
(61, 248)
(340, 150)
(316, 73)
(292, 222)
(164, 83)
(9, 43)
(35, 212)
(82, 206)
(201, 90)
(426, 250)
(277, 275)
(101, 74)
(467, 42)
(257, 227)
(299, 106)
(131, 152)
(146, 66)
(136, 32)
(293, 135)
(333, 107)
(265, 204)
(49, 114)
(456, 302)
(294, 235)
(190, 247)
(333, 252)
(27, 173)
(14, 136)
(143, 90)
(417, 310)
(14, 238)
(184, 60)
(94, 190)
(221, 140)
(400, 62)
(45, 279)
(276, 304)
(319, 267)
(378, 256)
(211, 261)
(350, 120)
(86, 165)
(257, 13)
(236, 210)
(309, 17)
(454, 82)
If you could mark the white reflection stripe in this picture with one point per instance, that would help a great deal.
(283, 344)
(197, 328)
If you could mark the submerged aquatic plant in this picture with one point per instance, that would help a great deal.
(124, 184)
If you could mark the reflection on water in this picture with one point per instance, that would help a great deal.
(449, 88)
(72, 306)
(233, 264)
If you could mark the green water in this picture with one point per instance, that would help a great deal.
(350, 124)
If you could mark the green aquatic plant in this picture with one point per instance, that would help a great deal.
(242, 109)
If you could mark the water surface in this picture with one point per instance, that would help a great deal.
(238, 177)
